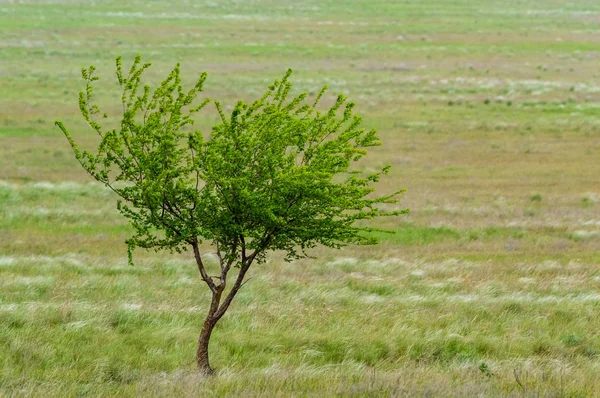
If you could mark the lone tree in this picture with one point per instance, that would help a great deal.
(274, 175)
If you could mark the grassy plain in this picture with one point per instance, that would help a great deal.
(489, 112)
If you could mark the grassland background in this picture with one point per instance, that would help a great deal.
(489, 112)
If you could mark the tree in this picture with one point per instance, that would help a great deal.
(274, 175)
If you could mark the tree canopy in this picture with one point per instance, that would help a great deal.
(275, 174)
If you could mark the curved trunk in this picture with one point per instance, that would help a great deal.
(202, 351)
(217, 309)
(209, 324)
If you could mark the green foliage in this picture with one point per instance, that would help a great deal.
(483, 368)
(536, 198)
(276, 174)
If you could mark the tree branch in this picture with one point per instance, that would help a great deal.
(238, 283)
(220, 256)
(240, 278)
(202, 269)
(243, 244)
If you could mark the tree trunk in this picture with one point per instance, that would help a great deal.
(202, 351)
(215, 311)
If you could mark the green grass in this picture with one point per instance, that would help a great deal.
(489, 117)
(99, 326)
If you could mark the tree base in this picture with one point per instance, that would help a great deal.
(206, 370)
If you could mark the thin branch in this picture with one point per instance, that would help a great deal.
(265, 242)
(246, 281)
(225, 271)
(240, 278)
(195, 168)
(233, 292)
(201, 267)
(243, 244)
(226, 265)
(220, 256)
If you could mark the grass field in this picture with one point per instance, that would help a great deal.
(490, 115)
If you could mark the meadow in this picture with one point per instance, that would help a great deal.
(489, 113)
